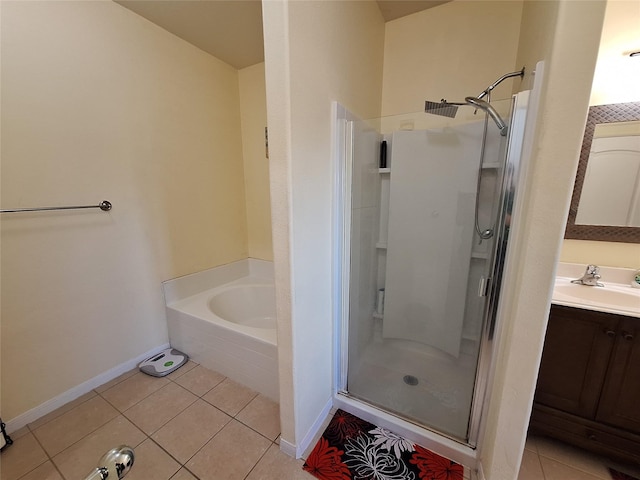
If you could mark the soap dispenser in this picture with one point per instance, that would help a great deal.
(635, 281)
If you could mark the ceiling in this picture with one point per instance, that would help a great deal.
(231, 30)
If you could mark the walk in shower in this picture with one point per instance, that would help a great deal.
(424, 202)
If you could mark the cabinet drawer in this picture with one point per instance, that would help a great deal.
(586, 434)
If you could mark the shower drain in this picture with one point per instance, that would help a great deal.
(410, 380)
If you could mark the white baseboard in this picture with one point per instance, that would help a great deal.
(287, 448)
(73, 393)
(480, 472)
(314, 432)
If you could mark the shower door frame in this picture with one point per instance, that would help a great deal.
(341, 238)
(455, 449)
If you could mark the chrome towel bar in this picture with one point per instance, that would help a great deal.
(104, 205)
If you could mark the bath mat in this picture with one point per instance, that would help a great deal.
(352, 448)
(616, 475)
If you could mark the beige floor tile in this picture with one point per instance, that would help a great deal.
(79, 459)
(230, 455)
(137, 387)
(62, 410)
(554, 470)
(46, 471)
(160, 407)
(152, 463)
(263, 415)
(190, 365)
(187, 433)
(183, 474)
(19, 433)
(68, 428)
(230, 397)
(276, 465)
(531, 443)
(530, 468)
(117, 380)
(20, 458)
(200, 380)
(573, 457)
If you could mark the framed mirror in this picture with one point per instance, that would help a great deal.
(605, 205)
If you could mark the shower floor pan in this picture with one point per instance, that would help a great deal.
(429, 389)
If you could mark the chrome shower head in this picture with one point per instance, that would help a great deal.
(485, 106)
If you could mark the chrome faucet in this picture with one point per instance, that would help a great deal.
(590, 277)
(114, 465)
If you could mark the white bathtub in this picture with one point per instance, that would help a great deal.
(225, 319)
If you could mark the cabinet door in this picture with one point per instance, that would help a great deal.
(620, 401)
(576, 352)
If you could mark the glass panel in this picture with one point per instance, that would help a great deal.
(418, 260)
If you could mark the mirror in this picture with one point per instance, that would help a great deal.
(606, 195)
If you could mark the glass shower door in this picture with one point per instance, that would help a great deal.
(419, 269)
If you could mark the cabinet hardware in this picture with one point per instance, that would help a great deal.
(627, 335)
(610, 333)
(592, 437)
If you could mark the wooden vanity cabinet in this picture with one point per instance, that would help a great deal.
(620, 400)
(588, 390)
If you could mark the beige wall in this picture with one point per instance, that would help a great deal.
(569, 54)
(253, 110)
(98, 103)
(315, 52)
(611, 254)
(616, 77)
(615, 81)
(451, 51)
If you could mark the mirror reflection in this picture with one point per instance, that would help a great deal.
(611, 190)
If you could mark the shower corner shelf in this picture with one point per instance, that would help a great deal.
(381, 245)
(378, 315)
(480, 255)
(491, 165)
(382, 171)
(471, 337)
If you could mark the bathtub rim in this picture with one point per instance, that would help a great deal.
(185, 286)
(198, 306)
(220, 294)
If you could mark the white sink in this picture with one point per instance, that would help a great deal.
(612, 298)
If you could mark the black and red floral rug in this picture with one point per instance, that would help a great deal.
(352, 448)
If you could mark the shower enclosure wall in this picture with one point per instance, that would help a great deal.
(419, 276)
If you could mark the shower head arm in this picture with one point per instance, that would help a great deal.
(487, 91)
(486, 107)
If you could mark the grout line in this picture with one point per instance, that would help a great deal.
(149, 436)
(539, 463)
(256, 464)
(49, 458)
(61, 414)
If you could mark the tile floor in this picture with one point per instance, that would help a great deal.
(197, 424)
(192, 424)
(548, 459)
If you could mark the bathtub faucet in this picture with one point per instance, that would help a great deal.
(590, 277)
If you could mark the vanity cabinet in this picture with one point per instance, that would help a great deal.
(620, 400)
(588, 390)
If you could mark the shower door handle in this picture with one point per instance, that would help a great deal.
(483, 286)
